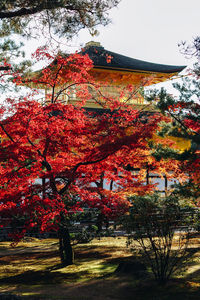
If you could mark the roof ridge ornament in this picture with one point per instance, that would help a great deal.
(93, 44)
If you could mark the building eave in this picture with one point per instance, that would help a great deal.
(105, 59)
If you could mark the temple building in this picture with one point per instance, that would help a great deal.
(115, 71)
(120, 70)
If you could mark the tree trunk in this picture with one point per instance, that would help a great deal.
(99, 223)
(65, 248)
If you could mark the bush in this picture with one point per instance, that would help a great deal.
(152, 223)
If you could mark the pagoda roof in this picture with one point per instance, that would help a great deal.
(105, 59)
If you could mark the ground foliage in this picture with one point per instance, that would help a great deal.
(31, 272)
(153, 222)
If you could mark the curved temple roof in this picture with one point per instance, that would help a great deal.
(105, 59)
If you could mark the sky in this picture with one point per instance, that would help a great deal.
(145, 29)
(149, 30)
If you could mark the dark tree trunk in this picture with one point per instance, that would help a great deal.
(65, 248)
(99, 223)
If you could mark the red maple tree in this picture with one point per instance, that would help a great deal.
(72, 151)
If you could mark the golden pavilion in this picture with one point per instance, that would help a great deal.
(115, 71)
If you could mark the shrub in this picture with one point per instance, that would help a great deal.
(161, 227)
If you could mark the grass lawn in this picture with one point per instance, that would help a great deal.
(32, 270)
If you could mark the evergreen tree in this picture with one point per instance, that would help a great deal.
(184, 111)
(61, 17)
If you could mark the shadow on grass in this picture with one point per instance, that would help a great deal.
(57, 285)
(174, 290)
(53, 284)
(91, 254)
(194, 275)
(27, 256)
(96, 252)
(42, 277)
(118, 288)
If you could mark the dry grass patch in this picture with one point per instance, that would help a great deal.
(32, 270)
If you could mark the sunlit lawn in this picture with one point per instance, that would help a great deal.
(32, 270)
